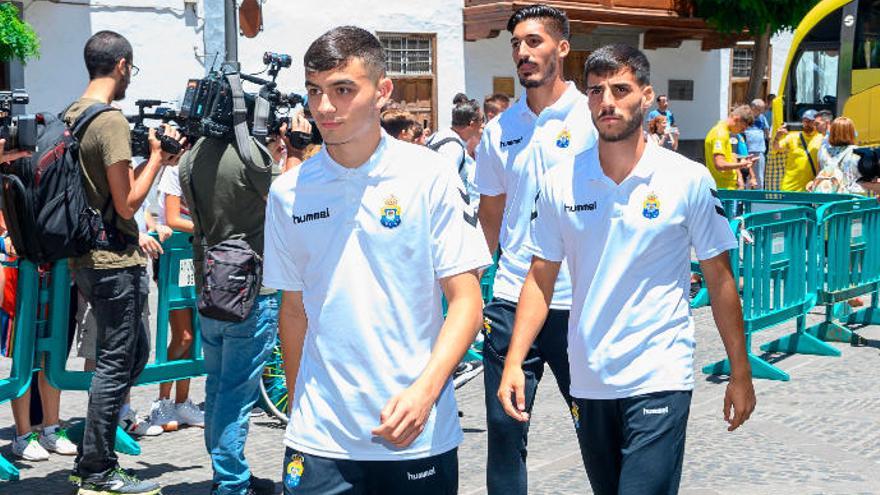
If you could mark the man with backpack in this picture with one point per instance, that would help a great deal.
(452, 142)
(113, 276)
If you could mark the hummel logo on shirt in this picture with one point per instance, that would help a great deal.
(422, 475)
(308, 217)
(583, 207)
(656, 411)
(511, 142)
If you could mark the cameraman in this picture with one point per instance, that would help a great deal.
(113, 280)
(227, 200)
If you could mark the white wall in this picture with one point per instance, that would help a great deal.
(781, 44)
(166, 42)
(709, 71)
(486, 59)
(169, 47)
(290, 29)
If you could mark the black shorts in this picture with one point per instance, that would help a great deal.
(306, 474)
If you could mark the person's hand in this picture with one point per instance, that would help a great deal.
(811, 185)
(753, 183)
(780, 133)
(740, 396)
(156, 145)
(278, 144)
(150, 246)
(740, 184)
(11, 155)
(164, 232)
(513, 389)
(403, 418)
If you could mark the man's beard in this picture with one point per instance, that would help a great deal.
(120, 91)
(632, 125)
(549, 76)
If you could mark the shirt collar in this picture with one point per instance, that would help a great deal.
(560, 107)
(643, 169)
(363, 170)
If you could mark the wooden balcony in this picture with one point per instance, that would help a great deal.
(666, 23)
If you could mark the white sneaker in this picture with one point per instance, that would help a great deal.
(190, 414)
(163, 413)
(29, 448)
(139, 428)
(57, 442)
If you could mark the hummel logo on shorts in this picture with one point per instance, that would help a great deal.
(659, 410)
(422, 475)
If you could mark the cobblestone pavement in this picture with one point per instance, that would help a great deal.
(817, 434)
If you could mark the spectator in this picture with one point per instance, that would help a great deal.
(663, 109)
(802, 152)
(460, 98)
(756, 136)
(495, 104)
(823, 126)
(657, 133)
(452, 143)
(399, 124)
(839, 164)
(719, 150)
(768, 113)
(418, 132)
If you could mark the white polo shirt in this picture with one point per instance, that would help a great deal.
(628, 246)
(507, 165)
(367, 248)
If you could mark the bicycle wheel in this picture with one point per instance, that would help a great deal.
(274, 397)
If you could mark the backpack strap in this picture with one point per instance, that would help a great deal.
(88, 115)
(809, 156)
(439, 144)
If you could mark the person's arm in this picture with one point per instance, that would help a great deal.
(172, 215)
(292, 326)
(722, 165)
(873, 186)
(404, 417)
(491, 213)
(531, 311)
(727, 311)
(12, 155)
(779, 139)
(129, 191)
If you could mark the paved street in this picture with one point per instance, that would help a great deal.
(817, 434)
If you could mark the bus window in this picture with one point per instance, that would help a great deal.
(813, 76)
(866, 53)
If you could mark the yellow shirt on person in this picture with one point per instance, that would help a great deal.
(798, 172)
(718, 143)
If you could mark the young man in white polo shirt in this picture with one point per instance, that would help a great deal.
(625, 216)
(551, 116)
(362, 239)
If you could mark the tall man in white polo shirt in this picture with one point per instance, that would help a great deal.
(552, 117)
(363, 239)
(625, 216)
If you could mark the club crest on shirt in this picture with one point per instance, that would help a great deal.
(563, 139)
(487, 325)
(651, 207)
(575, 415)
(390, 213)
(293, 473)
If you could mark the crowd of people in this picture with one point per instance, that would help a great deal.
(581, 194)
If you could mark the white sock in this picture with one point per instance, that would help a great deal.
(123, 411)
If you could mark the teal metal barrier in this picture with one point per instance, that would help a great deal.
(23, 354)
(778, 278)
(773, 200)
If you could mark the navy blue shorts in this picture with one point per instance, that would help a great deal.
(633, 446)
(306, 474)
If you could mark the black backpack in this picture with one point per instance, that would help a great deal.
(44, 201)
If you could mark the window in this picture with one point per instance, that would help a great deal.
(742, 61)
(816, 78)
(408, 54)
(867, 46)
(681, 89)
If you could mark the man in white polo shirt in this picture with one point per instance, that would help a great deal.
(625, 216)
(364, 239)
(551, 116)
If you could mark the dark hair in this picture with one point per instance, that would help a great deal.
(103, 51)
(611, 59)
(663, 96)
(498, 98)
(465, 113)
(396, 121)
(337, 47)
(553, 19)
(460, 98)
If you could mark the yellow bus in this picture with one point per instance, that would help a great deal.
(834, 64)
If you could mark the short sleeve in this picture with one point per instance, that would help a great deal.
(708, 227)
(545, 234)
(453, 152)
(170, 183)
(113, 135)
(458, 244)
(489, 176)
(279, 269)
(718, 144)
